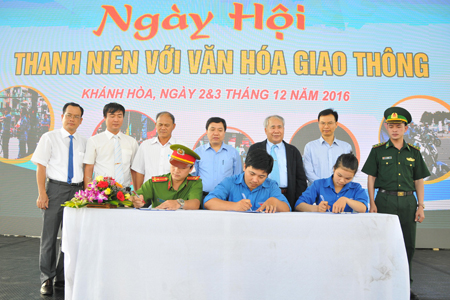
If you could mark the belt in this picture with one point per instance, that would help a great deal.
(65, 183)
(396, 193)
(283, 190)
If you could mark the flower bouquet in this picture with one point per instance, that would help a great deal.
(102, 192)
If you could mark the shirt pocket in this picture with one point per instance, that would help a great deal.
(126, 155)
(409, 168)
(387, 165)
(226, 167)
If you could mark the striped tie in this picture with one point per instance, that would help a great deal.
(118, 169)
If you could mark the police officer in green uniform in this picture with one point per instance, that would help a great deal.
(397, 169)
(174, 190)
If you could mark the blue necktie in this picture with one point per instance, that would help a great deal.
(275, 174)
(70, 171)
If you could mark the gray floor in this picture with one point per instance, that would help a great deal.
(19, 273)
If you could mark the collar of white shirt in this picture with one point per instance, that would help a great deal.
(110, 135)
(65, 133)
(156, 140)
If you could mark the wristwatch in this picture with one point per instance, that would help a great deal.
(423, 205)
(181, 202)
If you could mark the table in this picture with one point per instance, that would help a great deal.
(133, 254)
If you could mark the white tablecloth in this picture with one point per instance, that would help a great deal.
(132, 254)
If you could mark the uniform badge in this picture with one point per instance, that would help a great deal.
(410, 159)
(387, 157)
(414, 146)
(159, 179)
(378, 145)
(180, 151)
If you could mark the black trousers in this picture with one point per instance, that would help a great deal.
(51, 259)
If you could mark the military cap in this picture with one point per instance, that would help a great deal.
(182, 155)
(397, 114)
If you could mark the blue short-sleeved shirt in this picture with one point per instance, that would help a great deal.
(213, 167)
(319, 157)
(232, 189)
(325, 188)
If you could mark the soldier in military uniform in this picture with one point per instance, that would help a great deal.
(397, 169)
(176, 189)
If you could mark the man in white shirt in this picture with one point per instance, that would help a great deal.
(58, 157)
(111, 152)
(320, 155)
(152, 157)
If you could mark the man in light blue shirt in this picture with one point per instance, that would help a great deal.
(320, 155)
(219, 160)
(251, 190)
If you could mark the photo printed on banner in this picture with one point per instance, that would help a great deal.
(25, 115)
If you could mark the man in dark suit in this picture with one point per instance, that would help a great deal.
(288, 166)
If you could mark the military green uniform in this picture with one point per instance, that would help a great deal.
(396, 170)
(160, 188)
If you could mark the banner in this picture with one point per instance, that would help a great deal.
(239, 61)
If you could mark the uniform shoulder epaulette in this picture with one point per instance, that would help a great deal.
(378, 145)
(414, 146)
(159, 179)
(193, 177)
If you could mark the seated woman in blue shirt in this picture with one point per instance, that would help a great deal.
(337, 193)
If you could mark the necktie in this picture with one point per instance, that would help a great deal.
(118, 170)
(70, 170)
(275, 174)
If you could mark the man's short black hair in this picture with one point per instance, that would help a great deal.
(259, 159)
(7, 109)
(112, 108)
(72, 104)
(328, 112)
(165, 113)
(216, 120)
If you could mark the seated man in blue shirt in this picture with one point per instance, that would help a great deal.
(219, 160)
(336, 193)
(251, 190)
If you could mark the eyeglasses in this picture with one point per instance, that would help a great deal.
(328, 123)
(70, 116)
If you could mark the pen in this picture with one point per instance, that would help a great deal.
(243, 195)
(323, 199)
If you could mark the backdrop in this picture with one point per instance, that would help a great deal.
(241, 61)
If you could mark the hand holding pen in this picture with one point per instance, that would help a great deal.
(323, 205)
(243, 205)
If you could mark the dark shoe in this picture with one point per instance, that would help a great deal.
(59, 284)
(413, 296)
(47, 287)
